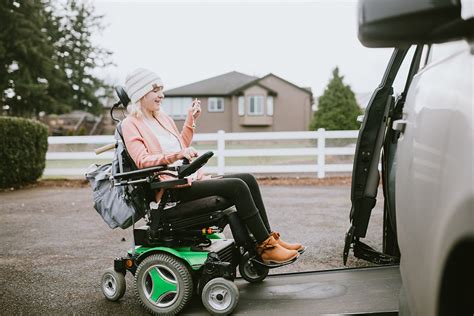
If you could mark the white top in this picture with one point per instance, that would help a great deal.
(168, 142)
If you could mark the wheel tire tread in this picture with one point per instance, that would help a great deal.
(247, 277)
(183, 272)
(121, 284)
(233, 288)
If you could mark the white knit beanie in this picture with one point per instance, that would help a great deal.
(139, 82)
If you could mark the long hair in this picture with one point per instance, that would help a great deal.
(135, 109)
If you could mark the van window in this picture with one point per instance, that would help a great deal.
(441, 51)
(402, 75)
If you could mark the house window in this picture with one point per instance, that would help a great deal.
(270, 105)
(177, 108)
(241, 106)
(255, 105)
(215, 105)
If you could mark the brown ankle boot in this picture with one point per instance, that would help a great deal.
(272, 252)
(296, 246)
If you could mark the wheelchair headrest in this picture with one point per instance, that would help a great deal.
(122, 95)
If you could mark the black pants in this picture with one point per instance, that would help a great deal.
(243, 191)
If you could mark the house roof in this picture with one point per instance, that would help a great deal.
(307, 90)
(230, 83)
(220, 85)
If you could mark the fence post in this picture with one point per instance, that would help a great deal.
(321, 152)
(220, 152)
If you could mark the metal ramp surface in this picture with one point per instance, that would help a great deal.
(342, 291)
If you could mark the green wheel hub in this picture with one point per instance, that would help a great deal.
(161, 285)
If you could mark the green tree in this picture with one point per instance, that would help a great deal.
(78, 57)
(25, 57)
(47, 57)
(59, 86)
(337, 107)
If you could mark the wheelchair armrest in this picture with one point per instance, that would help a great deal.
(167, 184)
(139, 173)
(188, 169)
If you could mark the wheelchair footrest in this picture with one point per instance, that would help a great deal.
(273, 265)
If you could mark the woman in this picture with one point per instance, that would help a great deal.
(152, 138)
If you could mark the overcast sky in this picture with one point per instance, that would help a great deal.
(189, 41)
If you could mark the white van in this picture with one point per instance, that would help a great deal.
(423, 139)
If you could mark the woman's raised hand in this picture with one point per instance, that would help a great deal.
(195, 108)
(188, 153)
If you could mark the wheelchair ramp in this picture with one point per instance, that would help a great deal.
(345, 291)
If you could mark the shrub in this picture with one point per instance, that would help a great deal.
(81, 131)
(24, 144)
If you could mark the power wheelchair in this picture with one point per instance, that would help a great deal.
(180, 251)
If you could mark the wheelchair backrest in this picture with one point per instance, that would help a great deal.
(122, 161)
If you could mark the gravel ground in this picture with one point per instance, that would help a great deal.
(53, 246)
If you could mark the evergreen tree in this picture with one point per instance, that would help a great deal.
(47, 57)
(78, 57)
(25, 56)
(59, 87)
(337, 107)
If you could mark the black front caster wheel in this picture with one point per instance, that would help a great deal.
(250, 271)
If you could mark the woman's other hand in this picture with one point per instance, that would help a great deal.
(195, 108)
(188, 153)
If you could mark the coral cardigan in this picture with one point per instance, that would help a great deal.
(144, 147)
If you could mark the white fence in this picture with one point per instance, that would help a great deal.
(320, 151)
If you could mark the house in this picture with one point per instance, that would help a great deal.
(73, 123)
(236, 102)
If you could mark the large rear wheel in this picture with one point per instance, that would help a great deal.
(163, 283)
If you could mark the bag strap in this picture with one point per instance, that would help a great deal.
(133, 235)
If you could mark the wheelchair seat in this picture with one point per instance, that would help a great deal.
(196, 207)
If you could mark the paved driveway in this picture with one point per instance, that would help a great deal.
(53, 246)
